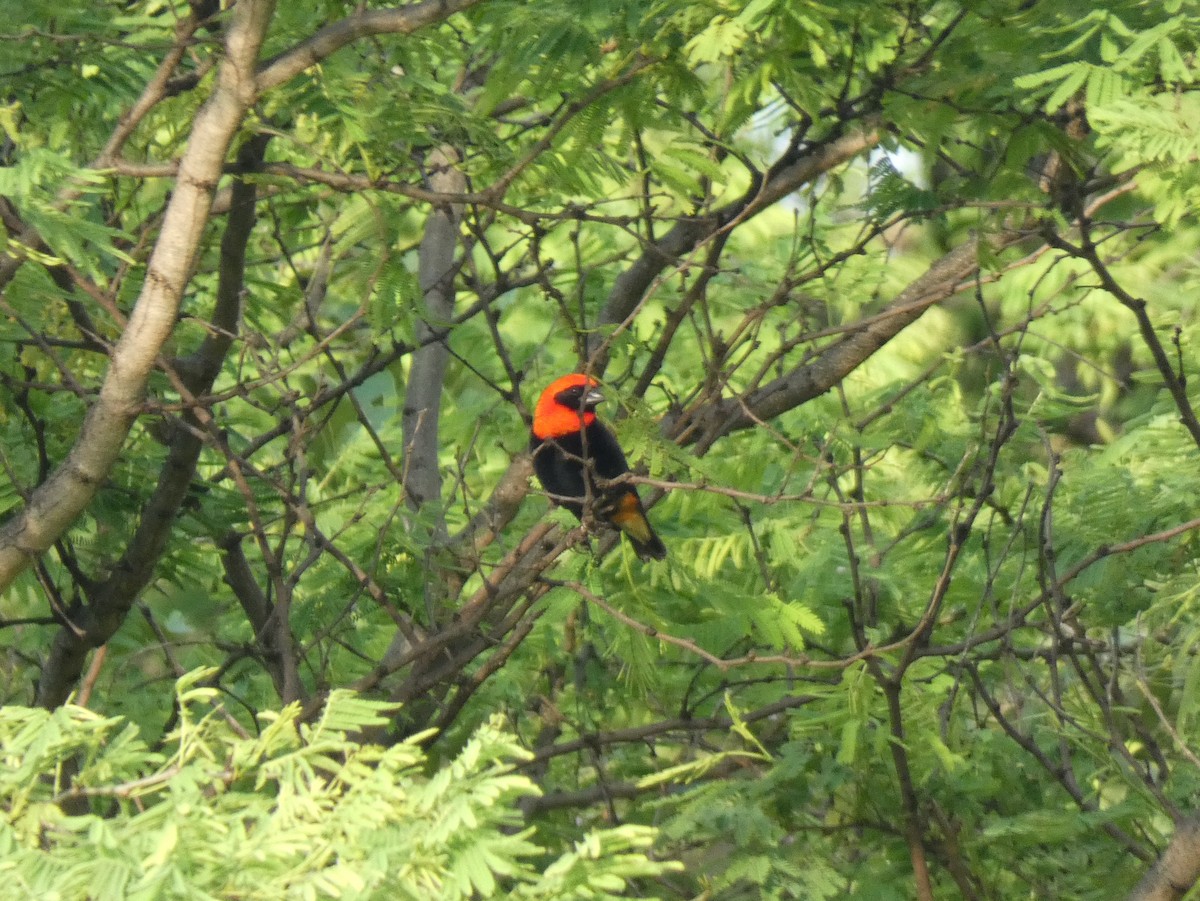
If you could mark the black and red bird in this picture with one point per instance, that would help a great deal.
(571, 447)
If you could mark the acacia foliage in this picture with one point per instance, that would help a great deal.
(893, 301)
(294, 811)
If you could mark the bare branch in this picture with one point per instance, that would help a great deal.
(631, 285)
(1174, 874)
(423, 394)
(331, 38)
(112, 599)
(944, 278)
(63, 496)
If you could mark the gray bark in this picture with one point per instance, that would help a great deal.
(1174, 874)
(63, 496)
(423, 395)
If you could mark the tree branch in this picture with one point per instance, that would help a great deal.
(1173, 874)
(1176, 384)
(423, 393)
(630, 287)
(112, 599)
(944, 278)
(331, 38)
(914, 829)
(62, 497)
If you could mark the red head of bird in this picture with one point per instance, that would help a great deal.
(567, 406)
(573, 450)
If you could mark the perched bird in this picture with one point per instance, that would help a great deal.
(571, 447)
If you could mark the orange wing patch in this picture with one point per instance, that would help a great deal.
(627, 515)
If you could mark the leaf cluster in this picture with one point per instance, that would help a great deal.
(299, 810)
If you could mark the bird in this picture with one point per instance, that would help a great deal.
(571, 448)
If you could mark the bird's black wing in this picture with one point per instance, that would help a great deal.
(558, 463)
(620, 504)
(561, 468)
(605, 452)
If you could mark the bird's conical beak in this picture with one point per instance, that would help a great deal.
(593, 397)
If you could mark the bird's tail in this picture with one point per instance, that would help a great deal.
(630, 517)
(650, 548)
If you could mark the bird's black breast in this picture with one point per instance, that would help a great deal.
(561, 468)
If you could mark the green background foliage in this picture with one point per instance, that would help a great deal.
(931, 611)
(294, 811)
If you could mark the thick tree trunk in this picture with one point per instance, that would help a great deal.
(1177, 870)
(423, 394)
(63, 496)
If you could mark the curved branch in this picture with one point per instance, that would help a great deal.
(786, 176)
(942, 280)
(1176, 383)
(63, 496)
(1174, 874)
(112, 599)
(331, 38)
